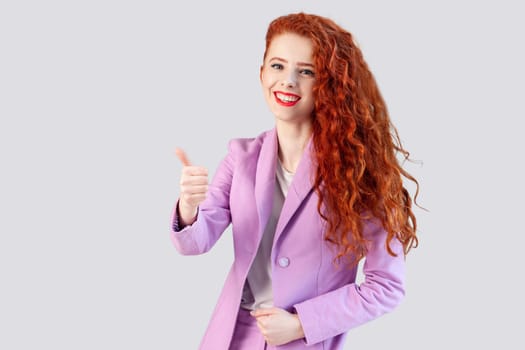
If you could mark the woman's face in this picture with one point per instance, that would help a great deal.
(288, 76)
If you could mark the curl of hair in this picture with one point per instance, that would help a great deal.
(358, 176)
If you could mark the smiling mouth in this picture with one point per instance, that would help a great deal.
(286, 99)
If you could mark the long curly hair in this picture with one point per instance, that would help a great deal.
(356, 145)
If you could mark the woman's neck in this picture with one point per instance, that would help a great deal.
(292, 140)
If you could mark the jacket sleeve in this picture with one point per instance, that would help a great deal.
(213, 215)
(347, 307)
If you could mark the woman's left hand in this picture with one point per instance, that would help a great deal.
(278, 326)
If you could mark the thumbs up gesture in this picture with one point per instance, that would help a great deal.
(193, 188)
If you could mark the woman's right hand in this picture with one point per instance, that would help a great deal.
(193, 189)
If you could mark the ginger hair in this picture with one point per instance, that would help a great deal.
(358, 175)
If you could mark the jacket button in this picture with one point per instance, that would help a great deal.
(284, 262)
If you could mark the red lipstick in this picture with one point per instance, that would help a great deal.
(286, 99)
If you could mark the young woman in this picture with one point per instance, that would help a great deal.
(307, 200)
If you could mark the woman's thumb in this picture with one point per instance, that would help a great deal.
(182, 157)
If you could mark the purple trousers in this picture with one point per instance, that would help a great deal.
(246, 335)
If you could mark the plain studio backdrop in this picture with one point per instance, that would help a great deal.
(96, 95)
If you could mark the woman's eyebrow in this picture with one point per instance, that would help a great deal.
(285, 61)
(278, 59)
(305, 64)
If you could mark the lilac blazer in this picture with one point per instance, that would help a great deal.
(305, 281)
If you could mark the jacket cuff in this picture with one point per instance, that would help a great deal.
(175, 223)
(309, 322)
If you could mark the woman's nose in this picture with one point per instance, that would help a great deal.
(290, 80)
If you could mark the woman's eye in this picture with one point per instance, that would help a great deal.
(307, 72)
(277, 66)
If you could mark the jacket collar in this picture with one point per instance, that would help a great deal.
(300, 187)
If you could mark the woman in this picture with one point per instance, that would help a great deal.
(307, 200)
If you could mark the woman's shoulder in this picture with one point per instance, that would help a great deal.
(249, 144)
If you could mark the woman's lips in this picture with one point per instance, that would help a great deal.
(286, 99)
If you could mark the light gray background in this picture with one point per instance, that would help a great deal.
(96, 95)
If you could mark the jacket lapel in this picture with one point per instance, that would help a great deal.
(265, 179)
(300, 187)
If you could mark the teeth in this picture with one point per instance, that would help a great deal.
(287, 98)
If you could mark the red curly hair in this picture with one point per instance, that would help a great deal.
(358, 176)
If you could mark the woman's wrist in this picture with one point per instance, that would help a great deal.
(187, 214)
(300, 331)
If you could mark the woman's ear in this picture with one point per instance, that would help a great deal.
(261, 73)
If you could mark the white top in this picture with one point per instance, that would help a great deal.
(257, 292)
